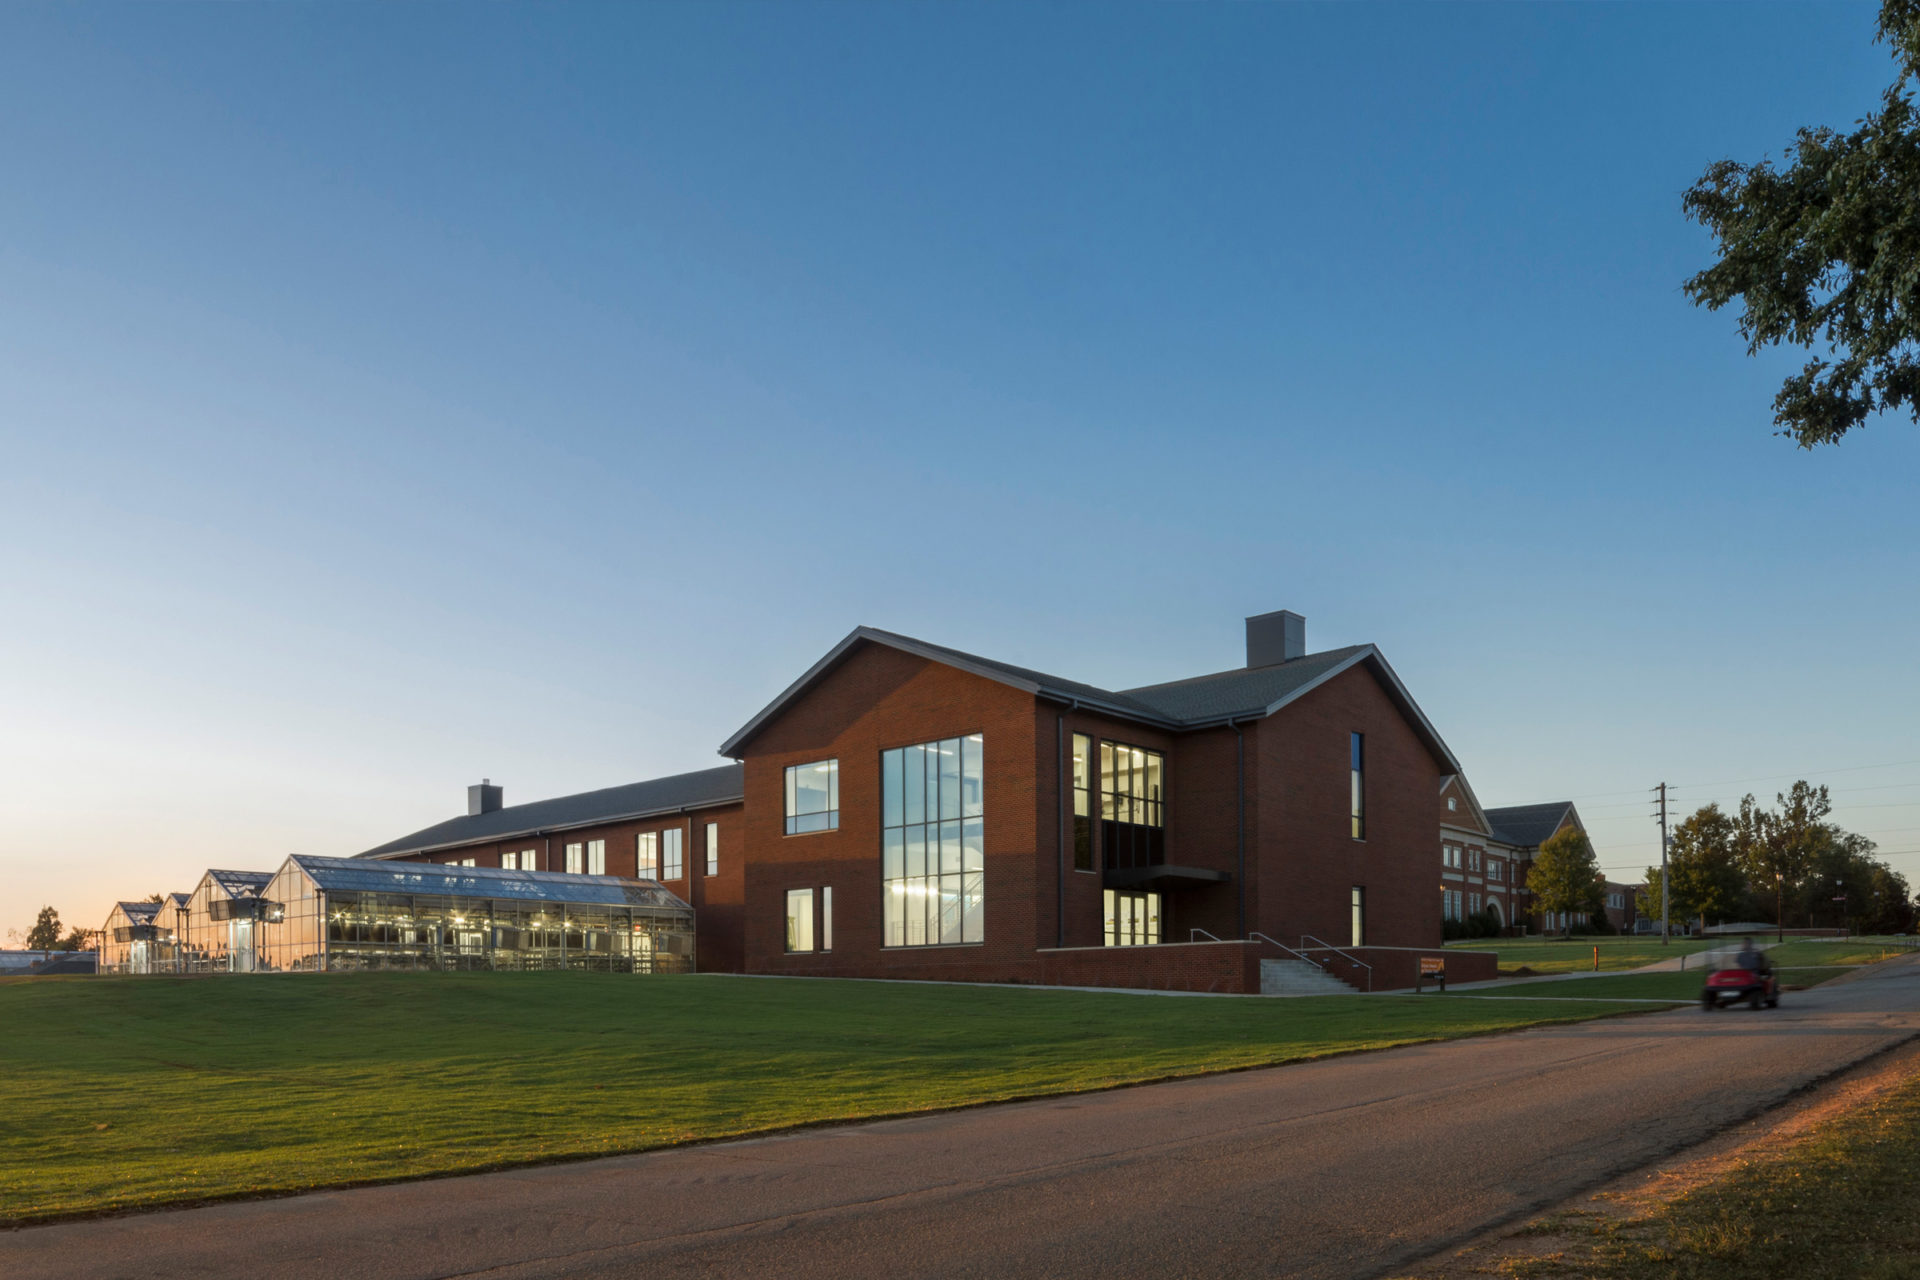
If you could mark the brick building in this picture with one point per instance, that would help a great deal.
(907, 810)
(1517, 832)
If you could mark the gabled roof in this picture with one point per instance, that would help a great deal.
(240, 884)
(139, 912)
(332, 875)
(1243, 693)
(179, 899)
(1459, 781)
(1529, 825)
(700, 790)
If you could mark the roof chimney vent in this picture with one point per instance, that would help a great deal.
(485, 798)
(1276, 637)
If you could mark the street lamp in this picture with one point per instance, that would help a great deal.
(1840, 896)
(1779, 910)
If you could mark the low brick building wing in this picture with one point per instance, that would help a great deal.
(685, 832)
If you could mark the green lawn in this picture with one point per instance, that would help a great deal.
(123, 1092)
(1575, 955)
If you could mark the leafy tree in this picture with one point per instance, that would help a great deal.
(1565, 875)
(77, 939)
(1889, 906)
(1703, 869)
(1777, 848)
(45, 934)
(1821, 250)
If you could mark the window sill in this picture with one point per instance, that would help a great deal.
(824, 831)
(934, 946)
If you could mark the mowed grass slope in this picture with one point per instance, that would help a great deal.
(123, 1092)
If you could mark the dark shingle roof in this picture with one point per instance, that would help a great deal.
(698, 790)
(1528, 824)
(1056, 685)
(140, 911)
(1242, 691)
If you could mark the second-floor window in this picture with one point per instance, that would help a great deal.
(672, 854)
(813, 797)
(1082, 802)
(1357, 779)
(713, 848)
(1494, 869)
(1132, 805)
(596, 857)
(1450, 856)
(646, 854)
(576, 859)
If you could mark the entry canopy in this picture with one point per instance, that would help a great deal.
(1162, 878)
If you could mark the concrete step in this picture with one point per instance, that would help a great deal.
(1298, 978)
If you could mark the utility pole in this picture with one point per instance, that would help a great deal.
(1666, 890)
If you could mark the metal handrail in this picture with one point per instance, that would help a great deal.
(1209, 936)
(1275, 942)
(1324, 945)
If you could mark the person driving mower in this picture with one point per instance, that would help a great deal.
(1745, 974)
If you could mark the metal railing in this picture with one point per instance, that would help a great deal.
(1323, 945)
(1295, 952)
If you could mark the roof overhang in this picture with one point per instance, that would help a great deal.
(1162, 878)
(550, 828)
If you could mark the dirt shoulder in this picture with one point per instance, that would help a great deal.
(1757, 1179)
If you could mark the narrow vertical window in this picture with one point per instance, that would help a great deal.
(1082, 802)
(813, 797)
(826, 918)
(576, 859)
(799, 919)
(713, 848)
(933, 843)
(1358, 746)
(596, 857)
(1359, 913)
(671, 867)
(646, 854)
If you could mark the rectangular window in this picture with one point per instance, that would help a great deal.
(468, 862)
(826, 918)
(1358, 911)
(671, 867)
(1473, 904)
(646, 854)
(596, 857)
(1132, 807)
(1082, 802)
(1493, 869)
(1450, 856)
(799, 919)
(510, 862)
(713, 848)
(1357, 764)
(576, 859)
(1133, 919)
(813, 797)
(933, 843)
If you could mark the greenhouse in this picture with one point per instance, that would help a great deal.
(346, 913)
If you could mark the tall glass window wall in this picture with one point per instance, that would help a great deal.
(933, 843)
(1132, 805)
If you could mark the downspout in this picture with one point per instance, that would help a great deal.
(1060, 834)
(1240, 820)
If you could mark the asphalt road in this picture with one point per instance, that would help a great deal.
(1343, 1168)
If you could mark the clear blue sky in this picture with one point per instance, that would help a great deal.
(395, 395)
